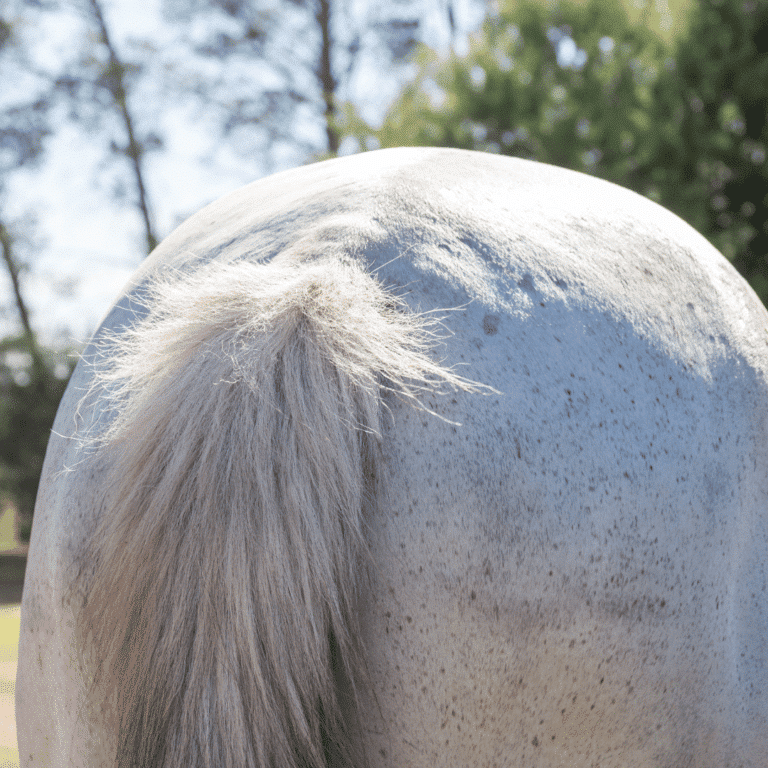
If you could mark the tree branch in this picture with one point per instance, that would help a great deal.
(115, 83)
(6, 241)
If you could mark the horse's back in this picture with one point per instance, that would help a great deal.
(570, 572)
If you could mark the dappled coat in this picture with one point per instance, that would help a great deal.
(415, 458)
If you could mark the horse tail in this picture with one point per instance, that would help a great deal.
(218, 589)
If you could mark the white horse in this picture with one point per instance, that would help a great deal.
(410, 459)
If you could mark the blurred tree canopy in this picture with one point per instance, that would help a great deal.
(283, 65)
(569, 84)
(32, 382)
(582, 86)
(712, 122)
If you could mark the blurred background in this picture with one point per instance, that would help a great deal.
(120, 118)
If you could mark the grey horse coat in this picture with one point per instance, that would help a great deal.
(569, 570)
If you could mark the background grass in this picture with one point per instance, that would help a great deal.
(11, 570)
(7, 532)
(9, 646)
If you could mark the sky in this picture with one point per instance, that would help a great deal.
(85, 246)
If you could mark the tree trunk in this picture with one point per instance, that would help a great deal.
(6, 241)
(116, 84)
(325, 75)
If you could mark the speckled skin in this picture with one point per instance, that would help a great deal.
(575, 575)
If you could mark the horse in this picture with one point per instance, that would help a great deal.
(411, 458)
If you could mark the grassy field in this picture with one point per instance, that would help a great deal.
(9, 646)
(7, 534)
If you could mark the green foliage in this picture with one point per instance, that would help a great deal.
(712, 118)
(31, 386)
(569, 84)
(583, 86)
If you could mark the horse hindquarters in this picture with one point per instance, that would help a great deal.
(574, 575)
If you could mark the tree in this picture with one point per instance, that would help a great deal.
(712, 128)
(23, 129)
(288, 65)
(113, 79)
(99, 85)
(32, 380)
(569, 84)
(268, 76)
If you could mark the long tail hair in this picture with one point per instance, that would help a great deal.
(218, 589)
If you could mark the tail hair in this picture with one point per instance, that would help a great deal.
(218, 601)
